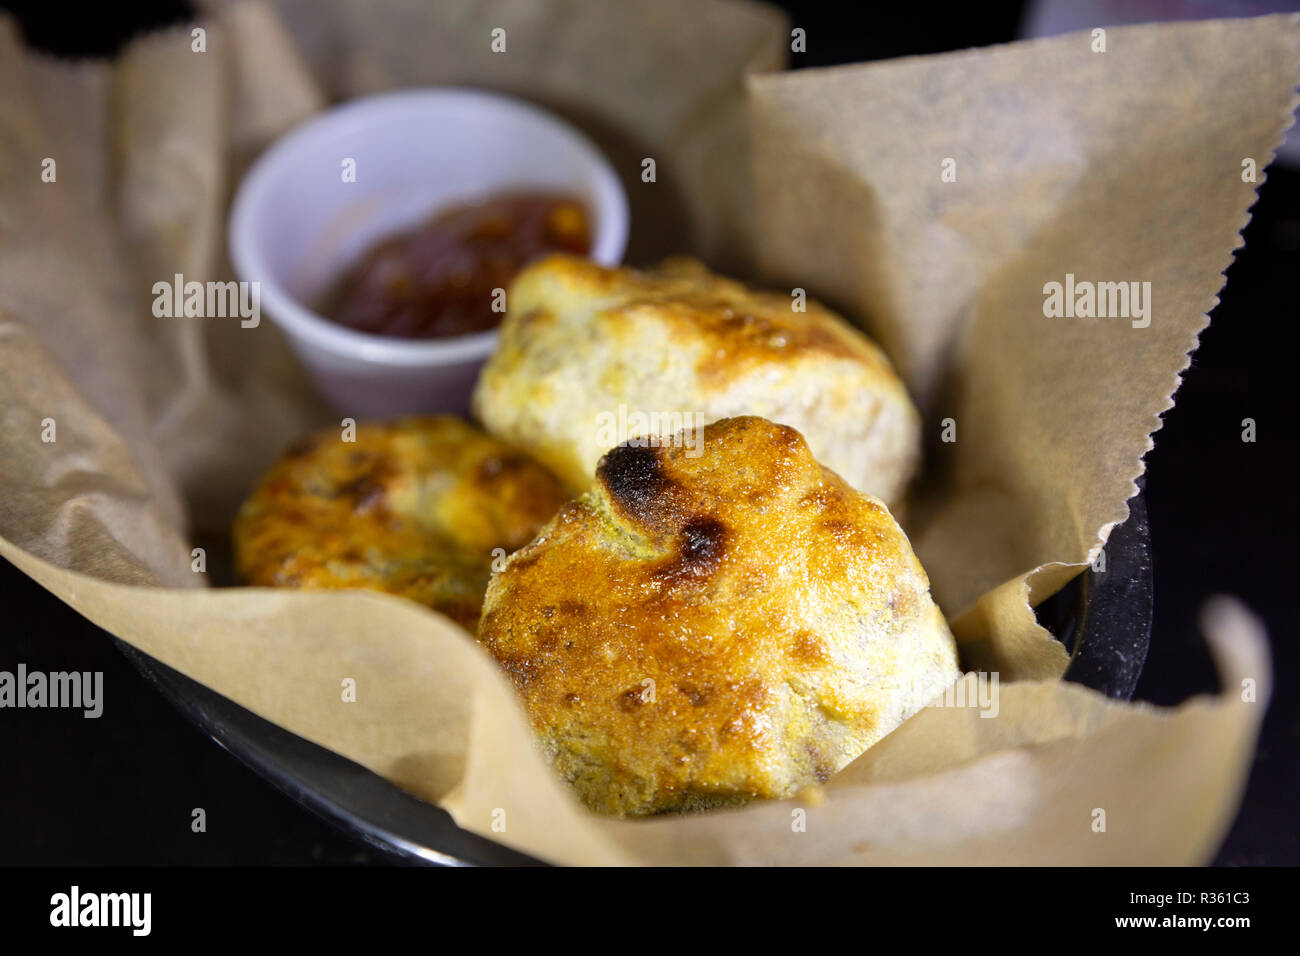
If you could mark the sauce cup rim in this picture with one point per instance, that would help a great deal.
(608, 208)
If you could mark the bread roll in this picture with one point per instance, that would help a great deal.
(412, 507)
(584, 348)
(705, 628)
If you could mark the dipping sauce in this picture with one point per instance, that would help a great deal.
(438, 281)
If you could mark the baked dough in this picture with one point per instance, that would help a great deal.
(412, 507)
(700, 630)
(580, 340)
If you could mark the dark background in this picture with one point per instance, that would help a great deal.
(1223, 514)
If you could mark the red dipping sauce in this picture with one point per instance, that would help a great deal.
(439, 280)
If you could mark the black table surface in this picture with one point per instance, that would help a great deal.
(1223, 513)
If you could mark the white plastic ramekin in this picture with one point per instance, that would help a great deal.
(297, 221)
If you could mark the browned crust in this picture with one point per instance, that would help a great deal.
(573, 346)
(413, 507)
(738, 583)
(743, 326)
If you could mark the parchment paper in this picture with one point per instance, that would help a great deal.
(1115, 166)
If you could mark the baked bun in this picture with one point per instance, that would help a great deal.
(580, 340)
(412, 507)
(700, 630)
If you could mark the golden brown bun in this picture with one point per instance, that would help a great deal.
(579, 340)
(699, 631)
(413, 507)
